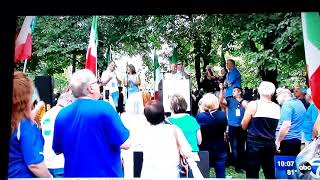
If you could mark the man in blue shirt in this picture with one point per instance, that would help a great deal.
(89, 132)
(288, 133)
(236, 108)
(310, 118)
(233, 78)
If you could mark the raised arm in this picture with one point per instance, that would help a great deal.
(222, 100)
(250, 111)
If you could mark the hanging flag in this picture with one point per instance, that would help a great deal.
(91, 58)
(174, 58)
(311, 37)
(23, 44)
(157, 75)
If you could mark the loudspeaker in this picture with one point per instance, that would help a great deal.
(44, 84)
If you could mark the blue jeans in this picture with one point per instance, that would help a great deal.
(57, 173)
(237, 142)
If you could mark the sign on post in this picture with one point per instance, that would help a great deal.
(171, 87)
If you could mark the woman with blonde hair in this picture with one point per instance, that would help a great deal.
(26, 142)
(213, 125)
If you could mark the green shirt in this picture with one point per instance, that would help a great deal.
(189, 127)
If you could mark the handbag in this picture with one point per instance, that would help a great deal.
(183, 166)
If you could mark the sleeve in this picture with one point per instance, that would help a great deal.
(114, 128)
(57, 139)
(286, 113)
(307, 121)
(195, 124)
(234, 76)
(104, 76)
(31, 143)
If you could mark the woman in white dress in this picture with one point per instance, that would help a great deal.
(136, 123)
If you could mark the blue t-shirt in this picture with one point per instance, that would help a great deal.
(233, 104)
(234, 78)
(189, 126)
(26, 150)
(292, 110)
(89, 133)
(310, 118)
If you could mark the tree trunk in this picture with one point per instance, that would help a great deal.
(267, 75)
(207, 49)
(224, 49)
(197, 67)
(74, 64)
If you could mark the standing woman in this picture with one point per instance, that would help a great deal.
(132, 80)
(188, 124)
(213, 123)
(26, 142)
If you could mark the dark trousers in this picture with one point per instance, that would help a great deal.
(217, 157)
(291, 147)
(260, 153)
(237, 137)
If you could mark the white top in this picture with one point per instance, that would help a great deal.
(267, 109)
(136, 124)
(51, 160)
(112, 85)
(160, 152)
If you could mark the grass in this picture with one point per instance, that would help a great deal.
(231, 173)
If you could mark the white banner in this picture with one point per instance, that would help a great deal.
(171, 87)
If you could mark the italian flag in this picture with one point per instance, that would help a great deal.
(157, 75)
(91, 58)
(311, 37)
(23, 44)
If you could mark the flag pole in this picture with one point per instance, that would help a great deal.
(25, 66)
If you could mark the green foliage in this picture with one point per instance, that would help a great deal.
(271, 42)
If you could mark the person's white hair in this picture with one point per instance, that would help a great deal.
(266, 88)
(79, 82)
(134, 103)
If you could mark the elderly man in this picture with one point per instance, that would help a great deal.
(289, 128)
(181, 74)
(233, 78)
(89, 132)
(261, 118)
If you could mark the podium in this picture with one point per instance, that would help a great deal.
(169, 87)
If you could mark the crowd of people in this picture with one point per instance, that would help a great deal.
(87, 134)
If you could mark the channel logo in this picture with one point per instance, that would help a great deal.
(312, 168)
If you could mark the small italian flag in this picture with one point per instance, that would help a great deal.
(311, 37)
(91, 58)
(23, 44)
(157, 75)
